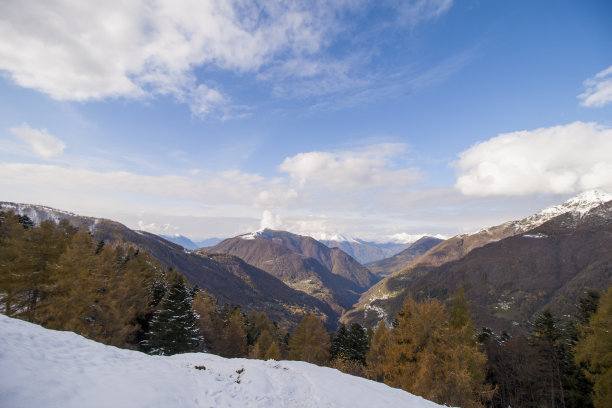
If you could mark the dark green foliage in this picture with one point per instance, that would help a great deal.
(538, 370)
(174, 327)
(339, 343)
(357, 343)
(26, 221)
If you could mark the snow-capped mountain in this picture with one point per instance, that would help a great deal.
(47, 368)
(545, 260)
(577, 206)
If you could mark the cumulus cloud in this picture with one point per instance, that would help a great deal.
(270, 220)
(598, 89)
(363, 169)
(559, 160)
(40, 141)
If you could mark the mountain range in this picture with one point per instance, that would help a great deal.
(228, 278)
(302, 263)
(510, 272)
(387, 266)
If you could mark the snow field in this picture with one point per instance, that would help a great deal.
(46, 368)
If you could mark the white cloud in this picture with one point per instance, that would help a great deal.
(364, 169)
(415, 11)
(40, 141)
(559, 160)
(598, 89)
(230, 187)
(137, 48)
(270, 220)
(140, 48)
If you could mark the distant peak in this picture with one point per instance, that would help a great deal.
(330, 236)
(590, 198)
(254, 234)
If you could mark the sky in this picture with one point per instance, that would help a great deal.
(373, 119)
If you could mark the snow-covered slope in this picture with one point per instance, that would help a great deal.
(577, 206)
(45, 368)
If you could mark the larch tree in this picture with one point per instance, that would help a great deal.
(309, 341)
(594, 351)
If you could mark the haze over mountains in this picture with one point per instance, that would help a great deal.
(510, 272)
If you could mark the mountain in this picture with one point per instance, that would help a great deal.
(181, 240)
(47, 368)
(303, 263)
(228, 278)
(365, 252)
(387, 266)
(208, 242)
(460, 245)
(510, 272)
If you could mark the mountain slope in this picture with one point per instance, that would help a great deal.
(302, 263)
(547, 261)
(46, 368)
(460, 245)
(229, 279)
(365, 252)
(180, 240)
(387, 266)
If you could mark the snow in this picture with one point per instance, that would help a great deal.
(535, 235)
(252, 235)
(46, 368)
(578, 205)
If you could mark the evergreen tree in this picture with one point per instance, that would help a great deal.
(174, 328)
(339, 343)
(357, 343)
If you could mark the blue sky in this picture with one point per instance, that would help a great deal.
(368, 118)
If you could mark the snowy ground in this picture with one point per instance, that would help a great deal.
(45, 368)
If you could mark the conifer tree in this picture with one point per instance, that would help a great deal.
(339, 343)
(174, 328)
(12, 239)
(262, 346)
(234, 334)
(357, 343)
(594, 351)
(376, 357)
(309, 341)
(273, 352)
(210, 322)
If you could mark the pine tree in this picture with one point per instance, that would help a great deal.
(174, 328)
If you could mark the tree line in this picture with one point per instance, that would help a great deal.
(61, 278)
